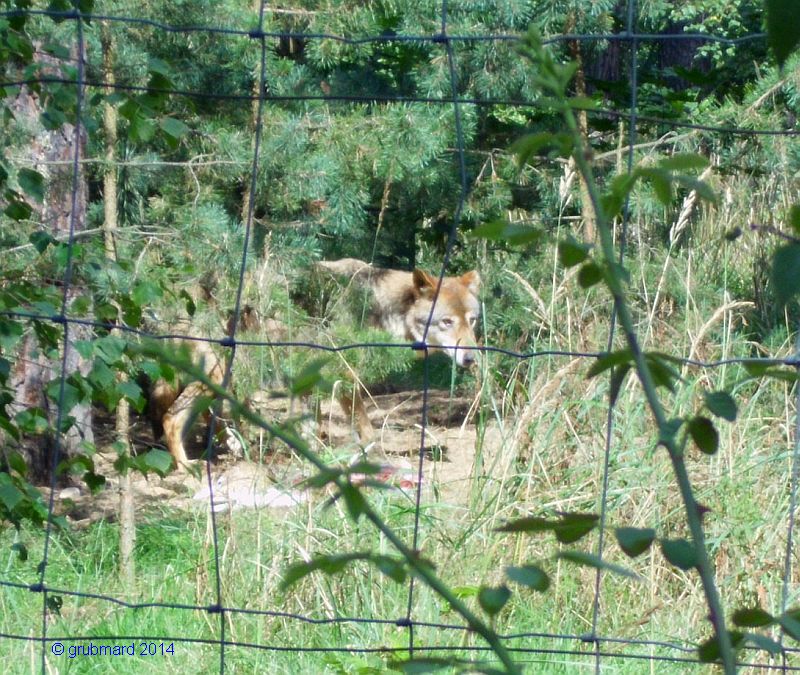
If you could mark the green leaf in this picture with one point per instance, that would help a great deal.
(158, 66)
(354, 501)
(10, 495)
(72, 395)
(752, 618)
(733, 234)
(57, 50)
(329, 564)
(18, 210)
(703, 433)
(142, 128)
(86, 6)
(191, 308)
(785, 272)
(59, 6)
(21, 550)
(589, 274)
(173, 127)
(569, 528)
(9, 428)
(684, 161)
(530, 144)
(708, 652)
(309, 377)
(133, 392)
(661, 182)
(17, 463)
(679, 552)
(794, 218)
(782, 375)
(783, 28)
(572, 252)
(94, 481)
(721, 404)
(617, 378)
(634, 540)
(620, 188)
(664, 374)
(703, 189)
(32, 421)
(764, 643)
(529, 575)
(492, 600)
(575, 526)
(790, 622)
(528, 524)
(511, 233)
(52, 118)
(755, 369)
(54, 604)
(10, 334)
(323, 478)
(612, 360)
(129, 108)
(394, 568)
(146, 292)
(591, 560)
(465, 591)
(159, 461)
(32, 182)
(111, 348)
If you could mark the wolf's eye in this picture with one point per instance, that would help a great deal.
(447, 322)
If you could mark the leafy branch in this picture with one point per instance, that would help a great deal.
(554, 78)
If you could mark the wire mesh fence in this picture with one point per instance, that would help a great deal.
(590, 648)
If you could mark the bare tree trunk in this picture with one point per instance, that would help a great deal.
(127, 512)
(110, 129)
(52, 153)
(246, 196)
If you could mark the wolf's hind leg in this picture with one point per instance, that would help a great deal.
(179, 419)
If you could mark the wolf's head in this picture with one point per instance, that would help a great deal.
(452, 326)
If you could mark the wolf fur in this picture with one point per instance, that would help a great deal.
(402, 305)
(403, 302)
(171, 405)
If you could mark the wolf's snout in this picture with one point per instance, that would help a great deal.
(465, 356)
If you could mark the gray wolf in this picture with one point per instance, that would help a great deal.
(402, 305)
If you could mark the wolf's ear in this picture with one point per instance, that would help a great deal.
(472, 280)
(424, 283)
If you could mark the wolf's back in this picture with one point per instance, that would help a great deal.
(346, 266)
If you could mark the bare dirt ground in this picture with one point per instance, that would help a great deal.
(276, 481)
